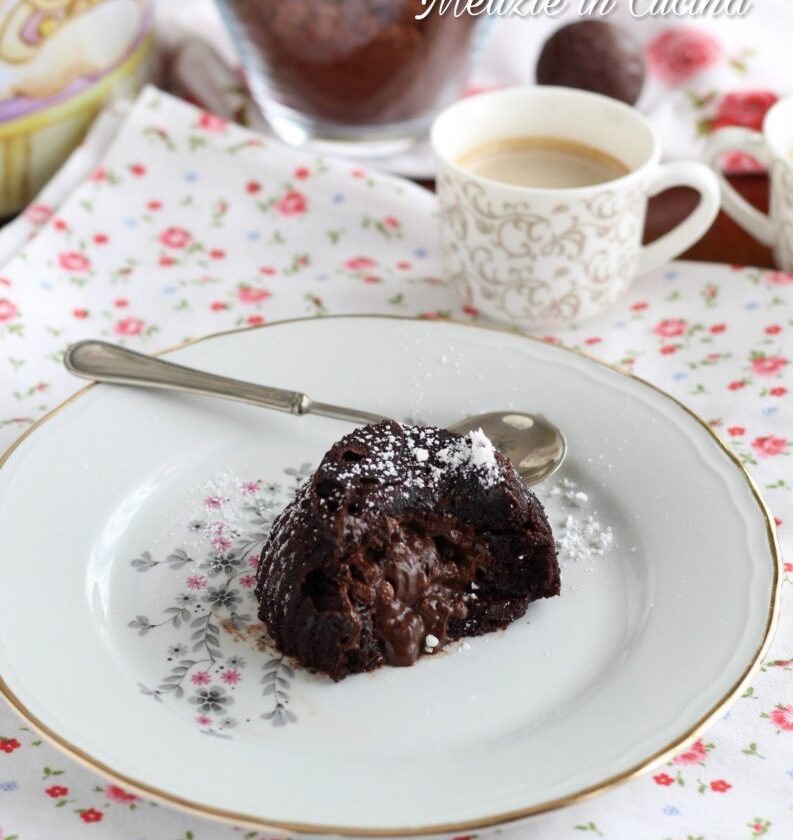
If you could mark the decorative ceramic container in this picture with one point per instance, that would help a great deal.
(60, 61)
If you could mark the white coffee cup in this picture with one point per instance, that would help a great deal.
(537, 257)
(774, 148)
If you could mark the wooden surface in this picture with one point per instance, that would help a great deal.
(725, 242)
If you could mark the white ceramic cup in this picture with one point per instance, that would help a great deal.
(539, 257)
(774, 148)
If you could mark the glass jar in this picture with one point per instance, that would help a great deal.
(365, 74)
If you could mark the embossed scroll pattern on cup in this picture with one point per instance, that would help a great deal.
(543, 266)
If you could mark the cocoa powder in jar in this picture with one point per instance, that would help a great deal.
(357, 61)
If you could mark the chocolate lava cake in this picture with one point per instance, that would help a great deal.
(404, 539)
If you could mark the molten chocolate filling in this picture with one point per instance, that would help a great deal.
(409, 588)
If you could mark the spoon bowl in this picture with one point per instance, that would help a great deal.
(535, 446)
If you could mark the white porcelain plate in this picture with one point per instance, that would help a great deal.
(131, 522)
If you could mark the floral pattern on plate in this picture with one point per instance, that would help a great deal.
(214, 608)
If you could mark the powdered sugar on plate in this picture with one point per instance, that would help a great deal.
(583, 540)
(230, 506)
(580, 535)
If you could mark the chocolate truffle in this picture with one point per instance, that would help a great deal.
(593, 55)
(404, 539)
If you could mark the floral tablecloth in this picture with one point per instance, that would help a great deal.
(189, 225)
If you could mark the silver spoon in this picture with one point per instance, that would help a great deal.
(534, 445)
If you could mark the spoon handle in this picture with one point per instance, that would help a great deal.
(104, 362)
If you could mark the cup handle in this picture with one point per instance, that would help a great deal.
(672, 244)
(752, 142)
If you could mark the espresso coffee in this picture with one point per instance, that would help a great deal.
(542, 162)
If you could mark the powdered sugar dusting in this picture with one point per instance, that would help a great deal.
(580, 536)
(483, 455)
(473, 452)
(583, 540)
(227, 507)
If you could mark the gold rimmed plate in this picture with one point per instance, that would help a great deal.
(131, 525)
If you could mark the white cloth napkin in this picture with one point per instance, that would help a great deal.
(183, 225)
